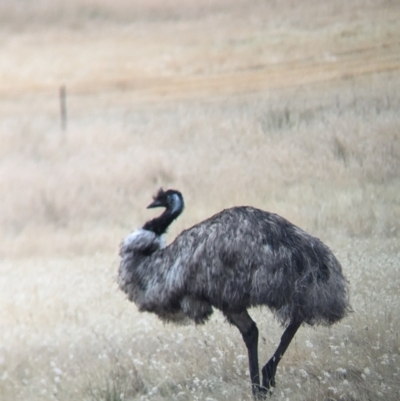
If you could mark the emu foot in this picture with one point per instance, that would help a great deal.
(259, 393)
(268, 374)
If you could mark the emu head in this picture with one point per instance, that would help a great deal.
(171, 199)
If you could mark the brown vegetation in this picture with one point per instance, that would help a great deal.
(292, 107)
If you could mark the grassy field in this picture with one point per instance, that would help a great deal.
(289, 106)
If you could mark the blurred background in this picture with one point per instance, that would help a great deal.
(292, 107)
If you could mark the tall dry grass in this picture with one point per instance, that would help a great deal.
(328, 163)
(315, 139)
(68, 334)
(17, 14)
(77, 13)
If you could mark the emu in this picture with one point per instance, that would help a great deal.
(238, 258)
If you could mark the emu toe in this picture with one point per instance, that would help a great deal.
(259, 393)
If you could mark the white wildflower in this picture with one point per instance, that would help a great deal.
(309, 344)
(367, 371)
(303, 373)
(385, 359)
(57, 371)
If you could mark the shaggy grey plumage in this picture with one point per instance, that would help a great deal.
(238, 258)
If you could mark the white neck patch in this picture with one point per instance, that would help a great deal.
(142, 237)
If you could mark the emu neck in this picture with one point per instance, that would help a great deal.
(160, 224)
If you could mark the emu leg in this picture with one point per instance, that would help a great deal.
(249, 331)
(269, 370)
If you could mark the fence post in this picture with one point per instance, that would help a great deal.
(63, 105)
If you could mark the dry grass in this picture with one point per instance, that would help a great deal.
(290, 108)
(70, 335)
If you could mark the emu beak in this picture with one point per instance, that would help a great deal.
(155, 203)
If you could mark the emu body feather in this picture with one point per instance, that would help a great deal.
(239, 258)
